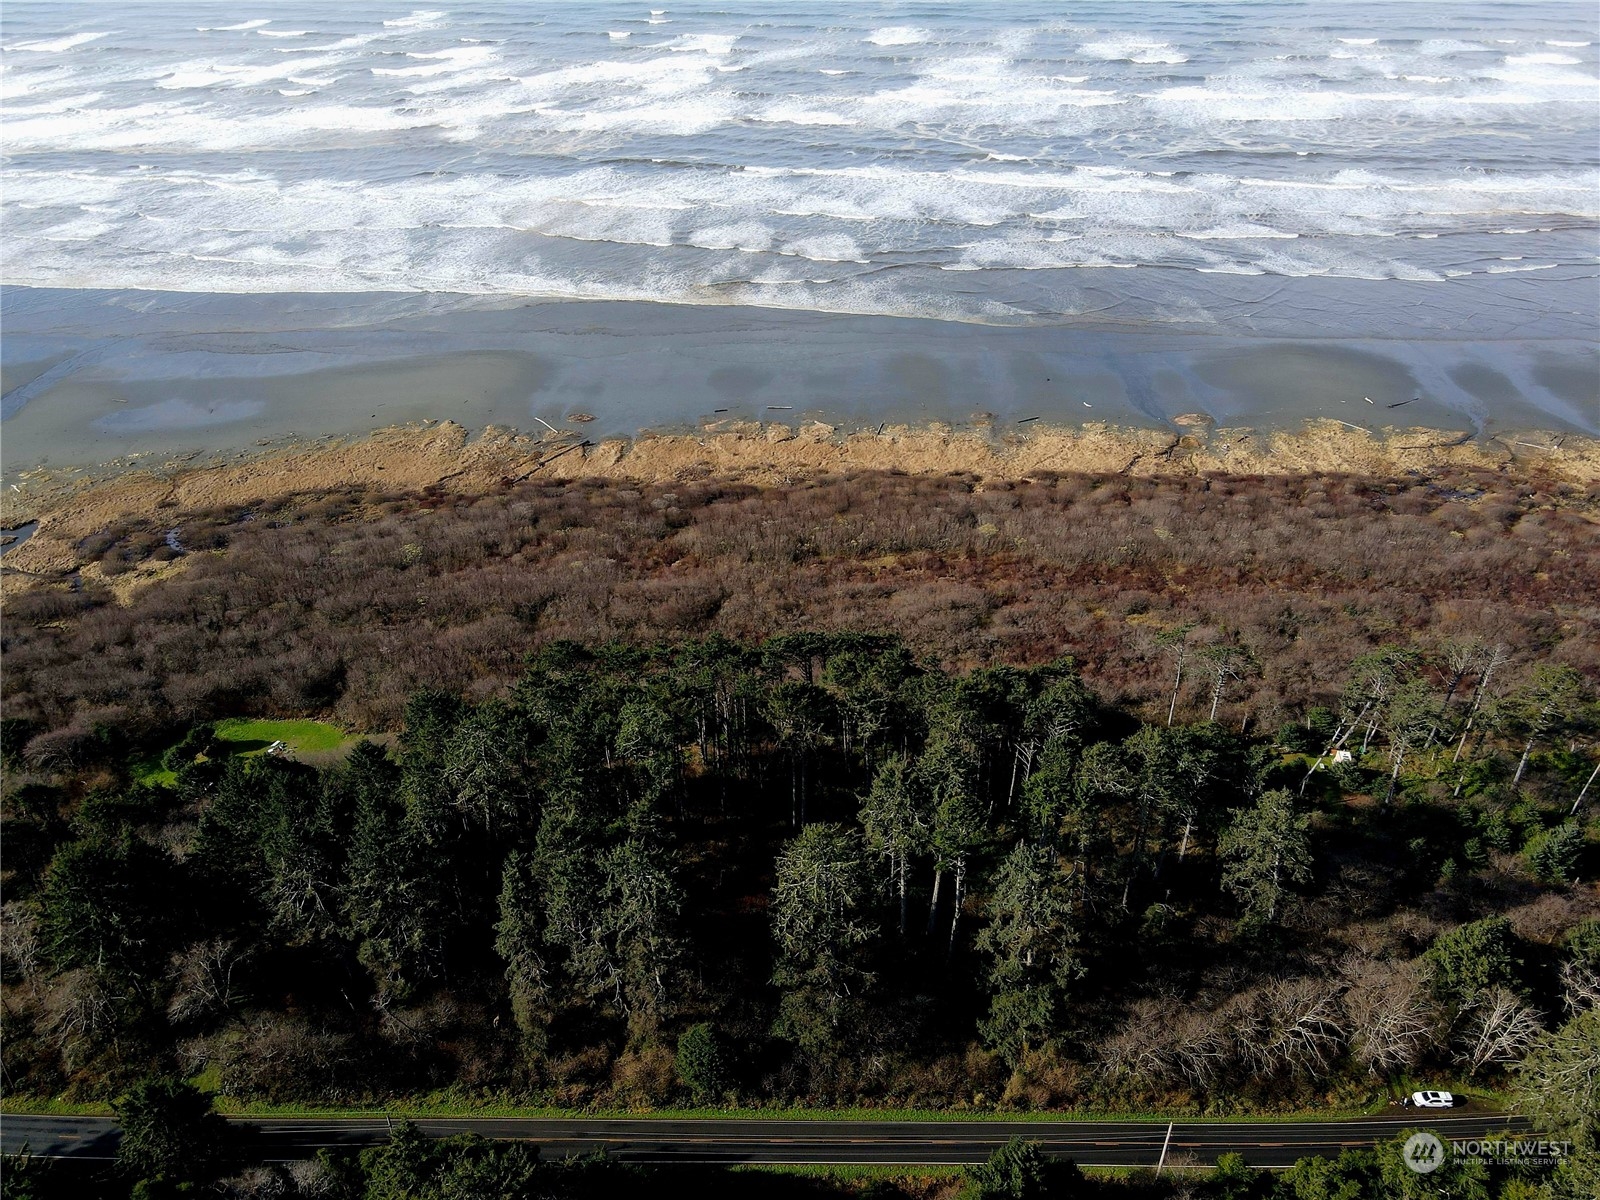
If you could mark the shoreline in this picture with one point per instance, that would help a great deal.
(110, 377)
(68, 505)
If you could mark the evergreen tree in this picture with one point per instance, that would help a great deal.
(1031, 943)
(896, 822)
(169, 1132)
(640, 902)
(519, 941)
(1265, 850)
(1468, 960)
(108, 905)
(824, 933)
(1553, 700)
(392, 896)
(1558, 1082)
(1019, 1170)
(480, 772)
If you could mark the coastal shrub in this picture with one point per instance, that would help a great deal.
(1472, 958)
(1019, 1170)
(704, 1063)
(277, 1058)
(319, 587)
(1552, 856)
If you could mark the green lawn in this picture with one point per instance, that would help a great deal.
(313, 740)
(151, 773)
(303, 737)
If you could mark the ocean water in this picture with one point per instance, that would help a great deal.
(198, 192)
(979, 161)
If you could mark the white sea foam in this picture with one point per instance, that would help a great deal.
(1241, 232)
(59, 105)
(54, 45)
(82, 229)
(1563, 60)
(1135, 50)
(354, 41)
(751, 237)
(709, 43)
(543, 155)
(419, 19)
(438, 62)
(1445, 47)
(791, 114)
(898, 35)
(662, 76)
(1553, 42)
(1550, 79)
(211, 73)
(831, 247)
(256, 24)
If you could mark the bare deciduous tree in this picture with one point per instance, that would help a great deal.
(313, 1177)
(201, 975)
(1580, 986)
(1391, 1018)
(19, 941)
(1142, 1050)
(1496, 1029)
(1201, 1049)
(80, 1014)
(1290, 1026)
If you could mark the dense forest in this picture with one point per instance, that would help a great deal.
(1267, 815)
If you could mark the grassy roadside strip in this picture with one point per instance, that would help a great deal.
(868, 1173)
(851, 1173)
(455, 1108)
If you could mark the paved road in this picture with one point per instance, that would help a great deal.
(1091, 1143)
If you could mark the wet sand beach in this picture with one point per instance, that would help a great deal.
(111, 377)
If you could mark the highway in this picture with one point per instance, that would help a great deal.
(1091, 1143)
